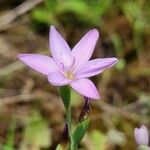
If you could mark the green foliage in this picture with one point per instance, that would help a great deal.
(118, 44)
(80, 131)
(138, 18)
(96, 13)
(37, 134)
(121, 64)
(59, 147)
(10, 136)
(98, 140)
(65, 95)
(90, 14)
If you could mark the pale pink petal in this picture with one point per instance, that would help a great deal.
(58, 79)
(85, 87)
(96, 66)
(43, 64)
(141, 135)
(83, 50)
(59, 48)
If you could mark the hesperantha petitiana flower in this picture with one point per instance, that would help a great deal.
(70, 67)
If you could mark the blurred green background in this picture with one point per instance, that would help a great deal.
(31, 112)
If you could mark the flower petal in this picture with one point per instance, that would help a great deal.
(57, 79)
(59, 48)
(83, 50)
(96, 66)
(43, 64)
(85, 87)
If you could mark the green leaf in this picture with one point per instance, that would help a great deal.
(51, 4)
(79, 8)
(43, 16)
(102, 7)
(80, 131)
(10, 136)
(59, 147)
(37, 134)
(65, 95)
(73, 6)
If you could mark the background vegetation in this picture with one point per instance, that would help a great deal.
(31, 112)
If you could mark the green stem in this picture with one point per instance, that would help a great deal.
(68, 114)
(66, 98)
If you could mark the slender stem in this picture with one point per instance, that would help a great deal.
(68, 114)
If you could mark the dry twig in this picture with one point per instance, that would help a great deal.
(112, 110)
(11, 68)
(7, 18)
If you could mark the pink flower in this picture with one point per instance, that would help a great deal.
(141, 135)
(70, 67)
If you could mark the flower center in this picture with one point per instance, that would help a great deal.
(69, 75)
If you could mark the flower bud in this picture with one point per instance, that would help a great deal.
(141, 135)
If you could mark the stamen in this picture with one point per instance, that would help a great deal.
(69, 75)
